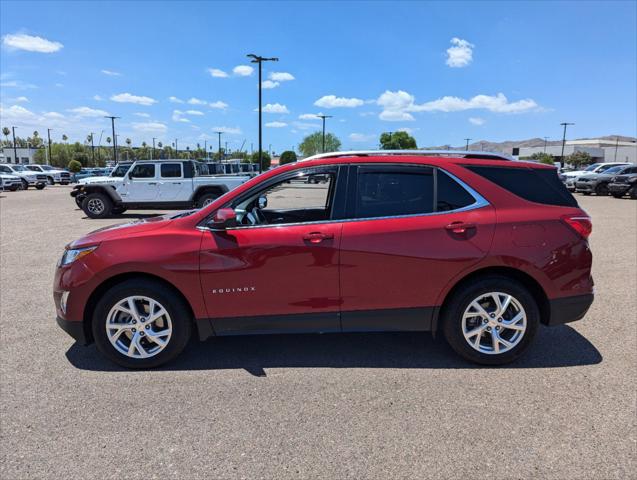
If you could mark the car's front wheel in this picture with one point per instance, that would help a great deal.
(25, 185)
(602, 190)
(50, 180)
(40, 186)
(141, 324)
(633, 192)
(492, 321)
(97, 205)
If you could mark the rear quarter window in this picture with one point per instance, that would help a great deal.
(539, 185)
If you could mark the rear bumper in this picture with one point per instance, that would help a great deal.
(74, 329)
(618, 187)
(568, 309)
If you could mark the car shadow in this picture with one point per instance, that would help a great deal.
(560, 346)
(125, 216)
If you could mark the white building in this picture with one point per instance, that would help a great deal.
(601, 150)
(25, 156)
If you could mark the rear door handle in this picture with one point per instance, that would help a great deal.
(460, 227)
(318, 237)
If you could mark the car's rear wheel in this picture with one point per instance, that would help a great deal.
(492, 321)
(206, 199)
(141, 324)
(97, 205)
(601, 190)
(633, 192)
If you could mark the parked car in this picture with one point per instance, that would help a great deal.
(10, 182)
(393, 241)
(597, 183)
(624, 184)
(53, 175)
(571, 177)
(27, 177)
(154, 184)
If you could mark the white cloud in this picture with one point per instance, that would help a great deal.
(281, 76)
(460, 54)
(54, 115)
(332, 101)
(218, 105)
(97, 98)
(19, 115)
(215, 72)
(361, 137)
(308, 116)
(306, 126)
(269, 84)
(19, 100)
(128, 98)
(143, 115)
(178, 116)
(476, 121)
(398, 105)
(175, 100)
(197, 101)
(228, 130)
(111, 73)
(193, 112)
(150, 127)
(243, 70)
(59, 85)
(276, 124)
(30, 43)
(274, 108)
(407, 130)
(18, 84)
(88, 112)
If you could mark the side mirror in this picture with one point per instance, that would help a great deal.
(262, 202)
(223, 219)
(130, 175)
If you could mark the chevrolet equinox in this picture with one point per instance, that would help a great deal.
(472, 245)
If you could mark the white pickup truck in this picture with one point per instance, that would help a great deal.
(53, 175)
(154, 185)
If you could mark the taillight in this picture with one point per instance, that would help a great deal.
(580, 223)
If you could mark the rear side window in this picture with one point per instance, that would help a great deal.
(532, 184)
(450, 194)
(170, 170)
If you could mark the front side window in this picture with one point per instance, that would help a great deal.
(170, 170)
(305, 197)
(144, 170)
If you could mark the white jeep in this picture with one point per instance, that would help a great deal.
(53, 175)
(27, 177)
(153, 185)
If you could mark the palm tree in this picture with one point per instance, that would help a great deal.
(144, 144)
(6, 132)
(128, 142)
(89, 138)
(64, 137)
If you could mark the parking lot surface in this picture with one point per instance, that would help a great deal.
(330, 406)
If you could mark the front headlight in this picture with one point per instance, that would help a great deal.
(73, 254)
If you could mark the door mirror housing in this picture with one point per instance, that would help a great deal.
(223, 219)
(130, 175)
(262, 202)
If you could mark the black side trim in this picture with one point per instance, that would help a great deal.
(204, 328)
(391, 320)
(74, 329)
(298, 323)
(568, 309)
(156, 205)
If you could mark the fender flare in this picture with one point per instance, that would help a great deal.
(106, 189)
(203, 189)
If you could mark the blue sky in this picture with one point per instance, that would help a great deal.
(445, 71)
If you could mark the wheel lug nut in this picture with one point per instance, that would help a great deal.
(497, 328)
(134, 322)
(134, 330)
(499, 320)
(141, 334)
(492, 315)
(147, 327)
(488, 329)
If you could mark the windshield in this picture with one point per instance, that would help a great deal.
(120, 170)
(592, 167)
(46, 167)
(615, 169)
(19, 168)
(606, 168)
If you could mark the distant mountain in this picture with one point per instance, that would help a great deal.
(508, 145)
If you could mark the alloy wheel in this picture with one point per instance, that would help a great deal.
(138, 327)
(494, 323)
(95, 206)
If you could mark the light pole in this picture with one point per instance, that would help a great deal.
(48, 133)
(258, 59)
(152, 153)
(467, 148)
(114, 137)
(15, 150)
(176, 149)
(564, 124)
(219, 133)
(205, 149)
(93, 149)
(324, 117)
(545, 140)
(616, 146)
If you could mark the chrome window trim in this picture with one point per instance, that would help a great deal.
(480, 202)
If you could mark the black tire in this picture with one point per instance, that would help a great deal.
(40, 186)
(78, 202)
(617, 195)
(601, 190)
(633, 192)
(119, 210)
(586, 193)
(91, 203)
(206, 199)
(25, 185)
(50, 180)
(174, 305)
(455, 307)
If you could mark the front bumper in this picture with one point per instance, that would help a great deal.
(568, 309)
(74, 329)
(584, 187)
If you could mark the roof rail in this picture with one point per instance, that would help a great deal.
(428, 153)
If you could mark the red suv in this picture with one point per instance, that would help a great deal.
(478, 247)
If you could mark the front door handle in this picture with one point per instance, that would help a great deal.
(318, 237)
(152, 183)
(460, 227)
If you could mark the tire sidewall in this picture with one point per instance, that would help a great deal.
(206, 196)
(454, 310)
(181, 323)
(108, 205)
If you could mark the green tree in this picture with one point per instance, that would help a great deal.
(6, 132)
(74, 166)
(579, 159)
(108, 140)
(543, 158)
(397, 141)
(313, 144)
(287, 157)
(267, 161)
